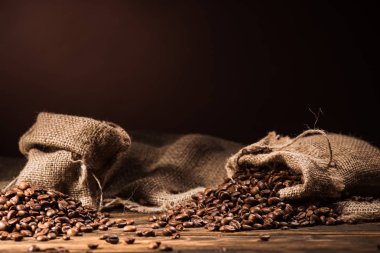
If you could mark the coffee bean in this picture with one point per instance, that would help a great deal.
(23, 185)
(129, 240)
(330, 221)
(165, 247)
(103, 228)
(264, 237)
(92, 245)
(148, 233)
(42, 238)
(166, 232)
(103, 237)
(52, 235)
(113, 239)
(16, 236)
(33, 248)
(130, 228)
(155, 226)
(130, 222)
(154, 245)
(3, 225)
(175, 236)
(66, 237)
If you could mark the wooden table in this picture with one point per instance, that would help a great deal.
(342, 238)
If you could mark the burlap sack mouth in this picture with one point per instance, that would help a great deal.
(333, 167)
(70, 154)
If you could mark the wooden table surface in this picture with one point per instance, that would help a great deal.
(342, 238)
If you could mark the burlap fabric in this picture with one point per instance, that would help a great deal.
(332, 165)
(70, 153)
(89, 159)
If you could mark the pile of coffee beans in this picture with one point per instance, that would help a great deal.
(26, 211)
(248, 201)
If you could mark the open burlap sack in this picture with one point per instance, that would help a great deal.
(332, 165)
(87, 159)
(70, 153)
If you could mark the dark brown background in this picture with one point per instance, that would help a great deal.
(234, 69)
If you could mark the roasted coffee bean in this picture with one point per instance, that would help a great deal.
(130, 228)
(92, 245)
(103, 228)
(154, 245)
(42, 238)
(52, 235)
(148, 233)
(4, 235)
(227, 228)
(66, 237)
(33, 248)
(129, 240)
(130, 222)
(264, 237)
(165, 247)
(103, 237)
(166, 232)
(16, 236)
(155, 226)
(3, 225)
(330, 221)
(113, 239)
(175, 236)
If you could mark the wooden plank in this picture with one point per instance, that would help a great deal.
(342, 238)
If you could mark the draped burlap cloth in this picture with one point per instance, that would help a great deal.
(333, 166)
(94, 161)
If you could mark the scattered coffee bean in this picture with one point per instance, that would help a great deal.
(265, 237)
(130, 228)
(33, 248)
(92, 245)
(103, 228)
(66, 237)
(103, 237)
(42, 238)
(130, 222)
(113, 239)
(166, 232)
(175, 236)
(154, 245)
(146, 233)
(165, 247)
(129, 240)
(155, 226)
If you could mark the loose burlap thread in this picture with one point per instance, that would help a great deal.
(332, 165)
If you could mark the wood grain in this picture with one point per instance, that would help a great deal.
(342, 238)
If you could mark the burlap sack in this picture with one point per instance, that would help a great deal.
(332, 165)
(70, 153)
(90, 159)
